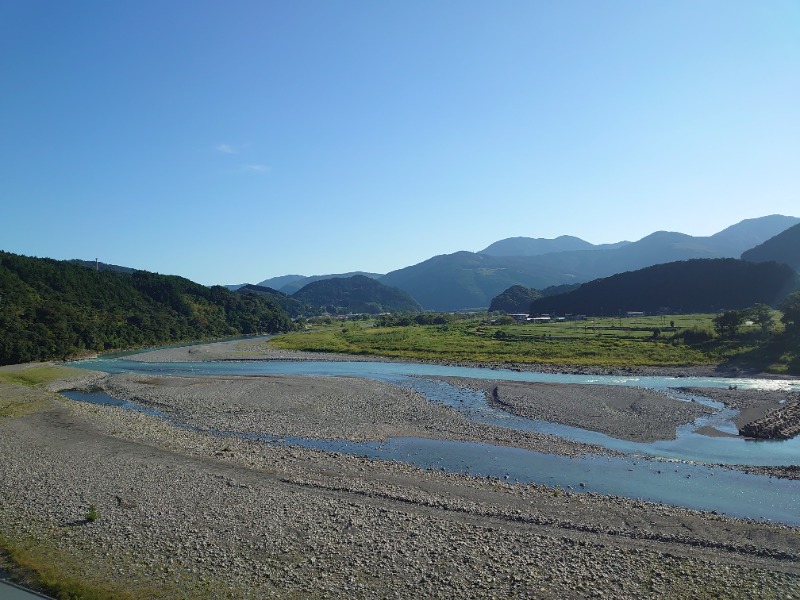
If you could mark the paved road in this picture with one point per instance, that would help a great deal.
(10, 591)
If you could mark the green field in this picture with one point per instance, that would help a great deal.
(611, 342)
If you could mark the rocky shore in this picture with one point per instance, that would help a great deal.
(188, 513)
(782, 423)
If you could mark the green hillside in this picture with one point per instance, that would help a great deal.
(516, 299)
(700, 285)
(783, 248)
(357, 294)
(295, 308)
(57, 309)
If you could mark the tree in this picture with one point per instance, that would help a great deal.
(791, 314)
(761, 314)
(727, 324)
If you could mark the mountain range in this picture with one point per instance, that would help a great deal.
(470, 280)
(525, 246)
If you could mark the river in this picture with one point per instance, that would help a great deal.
(682, 472)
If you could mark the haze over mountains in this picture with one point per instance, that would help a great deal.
(470, 280)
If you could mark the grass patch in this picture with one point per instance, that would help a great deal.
(17, 400)
(604, 342)
(49, 571)
(20, 387)
(36, 375)
(59, 573)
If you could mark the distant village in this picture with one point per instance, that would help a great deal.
(545, 318)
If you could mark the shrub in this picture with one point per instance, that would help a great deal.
(91, 514)
(694, 335)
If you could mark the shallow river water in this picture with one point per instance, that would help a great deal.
(673, 478)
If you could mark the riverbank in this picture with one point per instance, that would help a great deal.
(188, 513)
(638, 416)
(184, 513)
(633, 414)
(259, 349)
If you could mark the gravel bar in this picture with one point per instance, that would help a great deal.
(186, 513)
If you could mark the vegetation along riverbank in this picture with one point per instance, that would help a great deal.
(756, 341)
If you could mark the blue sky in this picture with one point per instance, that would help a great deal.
(231, 142)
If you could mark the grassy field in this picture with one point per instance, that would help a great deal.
(612, 342)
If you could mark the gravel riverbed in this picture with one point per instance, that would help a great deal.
(189, 514)
(629, 413)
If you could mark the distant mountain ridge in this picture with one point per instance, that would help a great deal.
(466, 280)
(338, 295)
(469, 280)
(289, 284)
(783, 248)
(525, 246)
(751, 232)
(278, 282)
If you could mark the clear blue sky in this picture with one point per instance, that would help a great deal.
(229, 142)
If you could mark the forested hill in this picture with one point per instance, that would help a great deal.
(357, 294)
(700, 285)
(516, 299)
(101, 266)
(783, 248)
(56, 309)
(294, 307)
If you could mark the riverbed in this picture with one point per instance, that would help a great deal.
(633, 436)
(201, 490)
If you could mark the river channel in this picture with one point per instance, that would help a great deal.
(682, 472)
